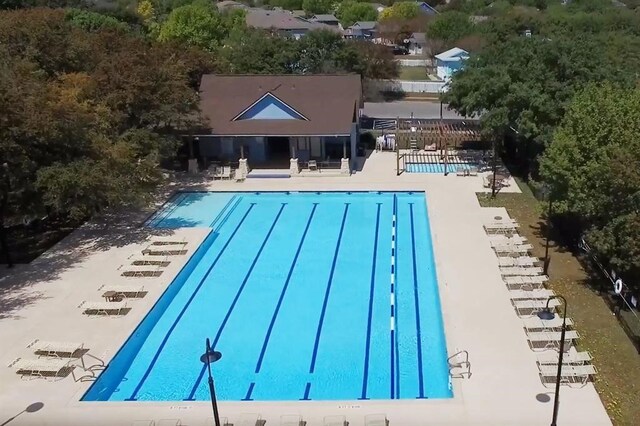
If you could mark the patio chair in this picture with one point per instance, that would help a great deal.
(169, 422)
(516, 261)
(42, 367)
(473, 171)
(520, 271)
(113, 309)
(312, 165)
(335, 421)
(530, 294)
(531, 306)
(536, 324)
(570, 373)
(164, 251)
(573, 357)
(509, 249)
(500, 228)
(500, 239)
(550, 339)
(515, 282)
(55, 349)
(116, 292)
(460, 171)
(251, 419)
(168, 241)
(145, 260)
(226, 173)
(292, 420)
(376, 420)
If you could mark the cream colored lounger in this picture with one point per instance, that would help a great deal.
(521, 249)
(123, 291)
(155, 261)
(531, 306)
(549, 339)
(570, 373)
(506, 271)
(524, 261)
(57, 349)
(376, 420)
(536, 324)
(572, 357)
(530, 294)
(525, 282)
(499, 239)
(42, 367)
(105, 308)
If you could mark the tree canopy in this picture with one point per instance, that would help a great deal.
(401, 10)
(593, 169)
(350, 12)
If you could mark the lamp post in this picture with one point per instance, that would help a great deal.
(209, 357)
(547, 314)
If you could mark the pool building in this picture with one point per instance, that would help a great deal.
(280, 121)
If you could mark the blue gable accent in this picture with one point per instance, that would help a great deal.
(270, 107)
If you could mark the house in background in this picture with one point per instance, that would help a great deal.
(229, 5)
(275, 121)
(417, 43)
(449, 62)
(362, 30)
(326, 19)
(284, 22)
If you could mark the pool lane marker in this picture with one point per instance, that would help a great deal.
(365, 377)
(417, 305)
(392, 297)
(235, 300)
(328, 291)
(284, 290)
(186, 306)
(247, 397)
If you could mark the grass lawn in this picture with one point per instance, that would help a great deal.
(617, 361)
(413, 73)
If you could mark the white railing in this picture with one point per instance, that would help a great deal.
(414, 62)
(410, 86)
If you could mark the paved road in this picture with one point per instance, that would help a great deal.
(403, 109)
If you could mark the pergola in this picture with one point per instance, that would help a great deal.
(435, 134)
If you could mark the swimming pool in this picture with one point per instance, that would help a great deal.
(309, 296)
(436, 167)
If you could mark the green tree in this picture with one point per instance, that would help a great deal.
(449, 27)
(349, 12)
(400, 10)
(93, 21)
(314, 7)
(317, 51)
(593, 169)
(196, 25)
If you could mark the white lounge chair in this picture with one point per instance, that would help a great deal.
(572, 357)
(517, 261)
(376, 420)
(473, 171)
(140, 271)
(164, 250)
(292, 420)
(335, 421)
(499, 239)
(461, 171)
(170, 240)
(527, 282)
(570, 373)
(55, 349)
(531, 306)
(169, 422)
(146, 260)
(550, 339)
(536, 324)
(512, 249)
(312, 165)
(500, 227)
(43, 367)
(112, 292)
(226, 173)
(520, 271)
(104, 308)
(250, 419)
(530, 294)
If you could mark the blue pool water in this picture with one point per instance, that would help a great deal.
(309, 296)
(435, 167)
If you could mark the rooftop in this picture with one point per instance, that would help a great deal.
(281, 20)
(452, 54)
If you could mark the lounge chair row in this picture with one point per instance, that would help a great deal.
(285, 420)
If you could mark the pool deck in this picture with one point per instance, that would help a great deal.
(40, 301)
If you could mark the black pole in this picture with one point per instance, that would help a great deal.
(556, 398)
(212, 390)
(546, 245)
(441, 106)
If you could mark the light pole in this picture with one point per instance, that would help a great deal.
(547, 314)
(209, 357)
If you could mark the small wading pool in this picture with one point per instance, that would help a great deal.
(309, 296)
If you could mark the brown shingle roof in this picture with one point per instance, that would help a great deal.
(280, 20)
(329, 102)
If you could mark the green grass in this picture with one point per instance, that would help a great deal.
(413, 73)
(615, 357)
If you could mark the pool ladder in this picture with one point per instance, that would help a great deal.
(459, 360)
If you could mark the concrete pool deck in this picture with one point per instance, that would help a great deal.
(40, 301)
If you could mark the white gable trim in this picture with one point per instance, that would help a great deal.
(261, 98)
